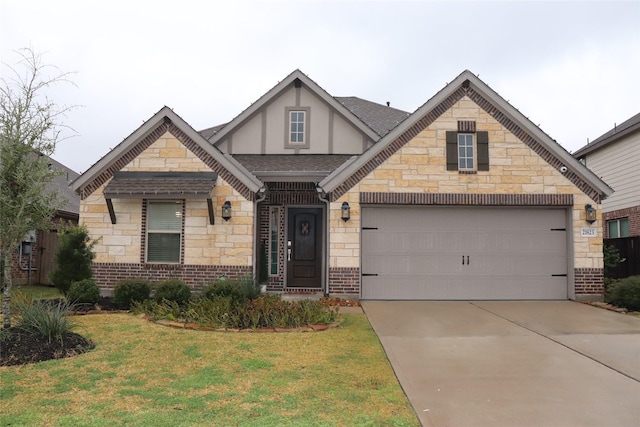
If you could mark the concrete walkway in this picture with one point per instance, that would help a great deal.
(512, 363)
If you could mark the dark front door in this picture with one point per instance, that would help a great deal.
(304, 248)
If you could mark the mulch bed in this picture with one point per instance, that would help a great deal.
(19, 347)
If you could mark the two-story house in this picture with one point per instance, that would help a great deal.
(615, 157)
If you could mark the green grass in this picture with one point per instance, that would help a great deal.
(143, 373)
(37, 291)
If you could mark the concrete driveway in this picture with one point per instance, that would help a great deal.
(512, 363)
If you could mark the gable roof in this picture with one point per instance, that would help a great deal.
(166, 120)
(620, 131)
(289, 167)
(61, 184)
(218, 134)
(466, 84)
(381, 118)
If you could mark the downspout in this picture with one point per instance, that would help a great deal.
(261, 195)
(322, 197)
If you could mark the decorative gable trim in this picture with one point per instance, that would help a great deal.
(215, 166)
(397, 144)
(469, 85)
(163, 121)
(534, 144)
(127, 158)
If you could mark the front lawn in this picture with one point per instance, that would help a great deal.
(37, 291)
(141, 374)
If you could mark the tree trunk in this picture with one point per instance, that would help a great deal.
(6, 290)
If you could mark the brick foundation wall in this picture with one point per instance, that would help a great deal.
(589, 282)
(632, 213)
(344, 280)
(107, 275)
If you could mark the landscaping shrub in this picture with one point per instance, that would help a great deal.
(217, 311)
(223, 311)
(84, 292)
(73, 257)
(130, 290)
(167, 310)
(238, 290)
(49, 318)
(172, 290)
(612, 259)
(625, 293)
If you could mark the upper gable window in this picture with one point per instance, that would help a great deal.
(297, 127)
(296, 131)
(467, 149)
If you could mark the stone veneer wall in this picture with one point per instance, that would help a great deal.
(516, 168)
(220, 249)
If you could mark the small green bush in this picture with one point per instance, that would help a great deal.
(130, 290)
(48, 318)
(84, 292)
(172, 290)
(73, 257)
(625, 293)
(238, 290)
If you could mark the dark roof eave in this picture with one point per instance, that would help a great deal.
(601, 143)
(294, 176)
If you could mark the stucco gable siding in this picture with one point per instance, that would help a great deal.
(264, 131)
(618, 164)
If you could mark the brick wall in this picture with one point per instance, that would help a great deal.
(107, 275)
(20, 268)
(344, 280)
(633, 214)
(589, 283)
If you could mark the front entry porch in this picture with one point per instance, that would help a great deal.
(292, 237)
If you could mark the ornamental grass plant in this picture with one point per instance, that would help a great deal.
(48, 318)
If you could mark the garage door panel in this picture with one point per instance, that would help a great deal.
(494, 288)
(416, 264)
(462, 253)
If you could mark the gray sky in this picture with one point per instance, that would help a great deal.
(571, 67)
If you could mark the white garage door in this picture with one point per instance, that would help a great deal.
(462, 253)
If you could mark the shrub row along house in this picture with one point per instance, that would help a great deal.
(463, 199)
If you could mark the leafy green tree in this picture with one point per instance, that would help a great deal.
(73, 257)
(30, 127)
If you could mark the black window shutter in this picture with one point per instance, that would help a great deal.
(483, 150)
(452, 151)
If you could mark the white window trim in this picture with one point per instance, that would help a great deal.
(474, 147)
(151, 231)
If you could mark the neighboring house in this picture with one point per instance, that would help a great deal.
(463, 199)
(615, 157)
(34, 259)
